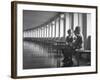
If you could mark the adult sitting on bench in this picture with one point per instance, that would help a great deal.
(77, 42)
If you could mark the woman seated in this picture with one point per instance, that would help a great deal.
(77, 43)
(73, 43)
(78, 40)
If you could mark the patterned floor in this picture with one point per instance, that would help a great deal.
(37, 55)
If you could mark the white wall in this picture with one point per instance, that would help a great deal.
(5, 41)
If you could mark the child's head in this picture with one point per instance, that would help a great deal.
(69, 32)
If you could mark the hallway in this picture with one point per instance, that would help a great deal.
(38, 56)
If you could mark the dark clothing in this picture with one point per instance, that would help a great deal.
(69, 39)
(77, 42)
(68, 47)
(67, 52)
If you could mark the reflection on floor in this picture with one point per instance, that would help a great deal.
(40, 56)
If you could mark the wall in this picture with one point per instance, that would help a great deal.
(5, 41)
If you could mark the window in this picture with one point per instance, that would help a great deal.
(53, 29)
(57, 27)
(50, 30)
(61, 25)
(67, 25)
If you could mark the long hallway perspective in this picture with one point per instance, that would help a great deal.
(38, 56)
(45, 43)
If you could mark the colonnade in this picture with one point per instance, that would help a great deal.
(58, 26)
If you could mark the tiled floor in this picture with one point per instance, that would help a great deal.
(37, 56)
(41, 56)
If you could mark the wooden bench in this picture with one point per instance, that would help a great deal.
(79, 53)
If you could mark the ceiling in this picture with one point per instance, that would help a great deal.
(32, 19)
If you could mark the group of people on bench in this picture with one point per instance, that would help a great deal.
(74, 41)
